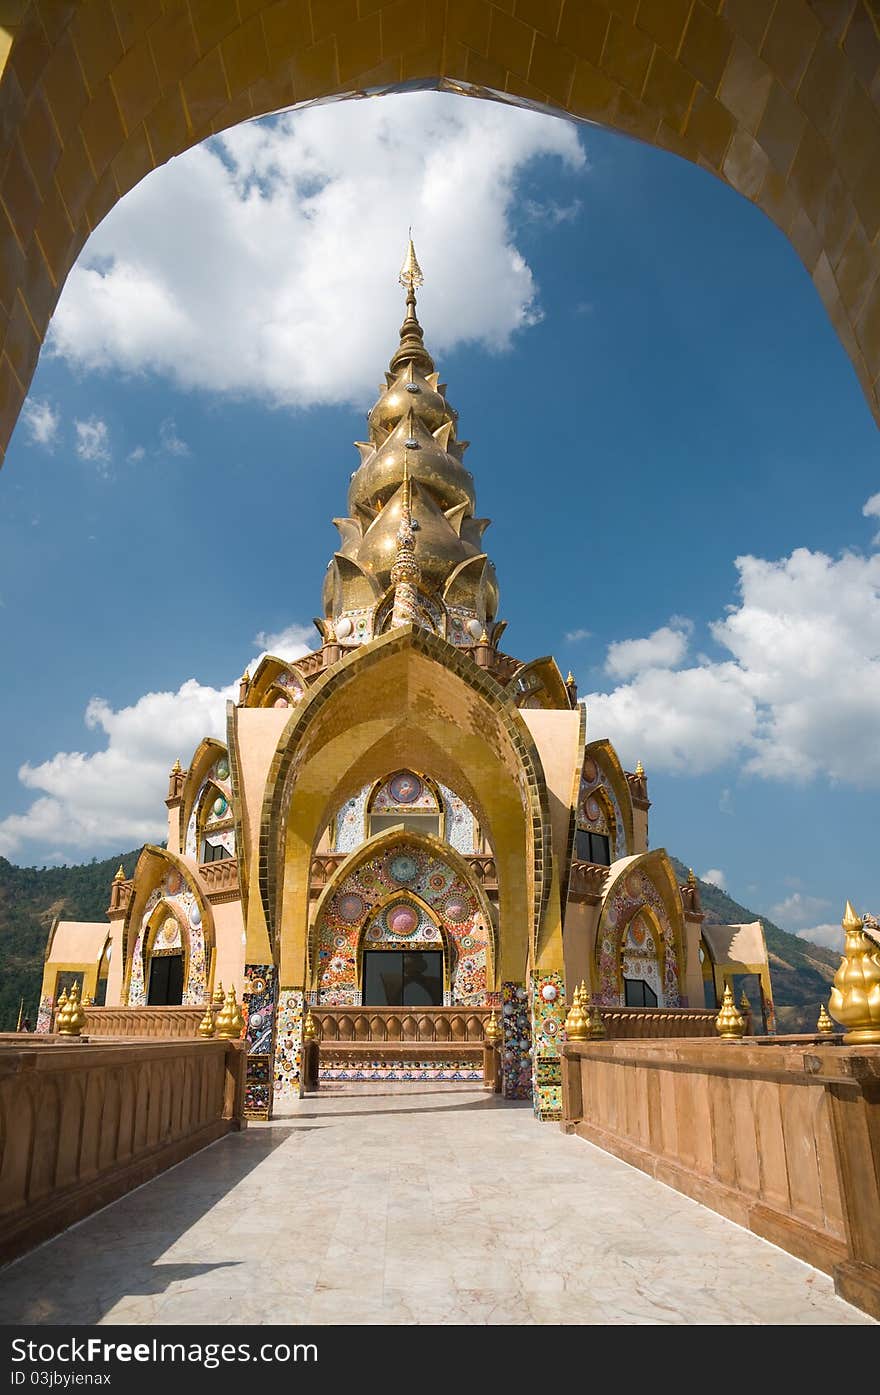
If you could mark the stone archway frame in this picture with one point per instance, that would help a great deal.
(409, 698)
(422, 775)
(169, 908)
(205, 757)
(779, 101)
(146, 875)
(658, 868)
(608, 761)
(656, 933)
(444, 852)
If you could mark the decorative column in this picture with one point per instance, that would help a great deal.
(692, 993)
(516, 1048)
(638, 788)
(260, 998)
(547, 992)
(173, 802)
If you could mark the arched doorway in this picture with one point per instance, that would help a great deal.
(780, 102)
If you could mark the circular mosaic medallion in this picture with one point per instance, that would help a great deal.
(351, 906)
(339, 942)
(456, 909)
(403, 867)
(592, 809)
(431, 932)
(219, 807)
(591, 771)
(222, 771)
(551, 1028)
(195, 916)
(549, 992)
(402, 920)
(405, 787)
(258, 985)
(637, 933)
(168, 934)
(467, 942)
(173, 883)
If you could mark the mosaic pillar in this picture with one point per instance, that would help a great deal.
(516, 1046)
(261, 1004)
(547, 995)
(288, 1042)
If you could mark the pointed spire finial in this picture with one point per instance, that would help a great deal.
(120, 874)
(175, 769)
(411, 273)
(640, 769)
(851, 921)
(692, 880)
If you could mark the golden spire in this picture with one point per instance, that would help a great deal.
(411, 273)
(640, 769)
(851, 921)
(120, 874)
(692, 880)
(855, 992)
(824, 1025)
(175, 769)
(570, 679)
(730, 1023)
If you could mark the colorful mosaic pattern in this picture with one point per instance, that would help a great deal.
(516, 1047)
(175, 892)
(44, 1014)
(376, 905)
(405, 791)
(258, 1087)
(261, 1003)
(288, 1042)
(639, 953)
(547, 993)
(401, 1070)
(632, 893)
(458, 619)
(218, 777)
(459, 821)
(592, 811)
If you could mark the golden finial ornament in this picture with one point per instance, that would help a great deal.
(71, 1019)
(87, 1000)
(825, 1027)
(855, 992)
(217, 999)
(640, 769)
(492, 1031)
(120, 874)
(206, 1026)
(730, 1023)
(229, 1022)
(597, 1026)
(310, 1028)
(411, 273)
(176, 768)
(744, 1004)
(60, 1008)
(570, 679)
(577, 1027)
(692, 880)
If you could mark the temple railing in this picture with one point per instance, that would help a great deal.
(81, 1124)
(587, 882)
(220, 878)
(783, 1139)
(167, 1023)
(422, 1026)
(629, 1022)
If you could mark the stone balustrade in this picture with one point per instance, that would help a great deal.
(395, 1025)
(324, 867)
(220, 879)
(485, 870)
(783, 1139)
(83, 1123)
(623, 1023)
(587, 882)
(138, 1022)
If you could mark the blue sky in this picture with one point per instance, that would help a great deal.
(652, 388)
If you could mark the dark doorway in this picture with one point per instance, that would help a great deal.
(166, 981)
(403, 978)
(638, 993)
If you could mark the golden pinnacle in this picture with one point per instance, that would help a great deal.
(492, 1032)
(577, 1028)
(206, 1026)
(229, 1022)
(310, 1028)
(729, 1024)
(71, 1019)
(60, 1008)
(217, 1000)
(692, 880)
(825, 1026)
(597, 1026)
(175, 769)
(640, 769)
(855, 993)
(120, 874)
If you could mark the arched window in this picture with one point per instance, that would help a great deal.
(640, 972)
(596, 836)
(164, 959)
(215, 825)
(405, 798)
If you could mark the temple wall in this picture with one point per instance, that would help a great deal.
(228, 930)
(579, 943)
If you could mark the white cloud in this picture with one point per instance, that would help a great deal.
(93, 440)
(725, 802)
(42, 422)
(796, 699)
(575, 636)
(665, 648)
(290, 643)
(113, 797)
(831, 936)
(169, 441)
(136, 455)
(871, 509)
(308, 214)
(798, 909)
(716, 877)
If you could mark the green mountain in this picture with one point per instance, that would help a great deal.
(801, 971)
(31, 898)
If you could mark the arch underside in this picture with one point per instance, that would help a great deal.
(781, 106)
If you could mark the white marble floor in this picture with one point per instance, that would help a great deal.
(401, 1206)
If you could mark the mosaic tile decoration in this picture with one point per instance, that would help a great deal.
(460, 823)
(516, 1047)
(222, 781)
(639, 955)
(360, 910)
(258, 1087)
(174, 890)
(590, 812)
(44, 1014)
(261, 1007)
(401, 1070)
(547, 994)
(288, 1042)
(634, 891)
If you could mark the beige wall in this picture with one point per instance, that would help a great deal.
(579, 942)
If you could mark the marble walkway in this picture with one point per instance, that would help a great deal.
(400, 1206)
